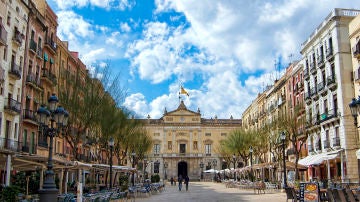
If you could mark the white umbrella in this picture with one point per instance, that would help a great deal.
(211, 171)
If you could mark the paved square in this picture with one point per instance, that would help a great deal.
(212, 192)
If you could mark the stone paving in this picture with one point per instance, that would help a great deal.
(211, 192)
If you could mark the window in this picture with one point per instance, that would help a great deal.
(182, 148)
(8, 18)
(207, 134)
(195, 145)
(156, 148)
(25, 138)
(16, 131)
(156, 134)
(208, 149)
(223, 134)
(169, 145)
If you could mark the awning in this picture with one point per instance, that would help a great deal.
(318, 158)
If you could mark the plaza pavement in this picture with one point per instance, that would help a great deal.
(211, 192)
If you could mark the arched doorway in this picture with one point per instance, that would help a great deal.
(182, 169)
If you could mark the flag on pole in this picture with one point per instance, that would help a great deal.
(183, 91)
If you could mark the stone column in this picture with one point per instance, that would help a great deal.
(8, 170)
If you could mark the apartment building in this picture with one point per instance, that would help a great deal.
(354, 35)
(327, 82)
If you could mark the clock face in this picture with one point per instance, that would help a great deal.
(182, 119)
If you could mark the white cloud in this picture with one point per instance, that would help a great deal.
(106, 4)
(125, 27)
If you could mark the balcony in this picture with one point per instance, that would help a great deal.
(42, 143)
(3, 35)
(9, 144)
(33, 46)
(356, 50)
(2, 75)
(329, 54)
(12, 106)
(306, 74)
(49, 43)
(313, 93)
(49, 77)
(320, 61)
(39, 53)
(307, 97)
(18, 37)
(310, 148)
(331, 82)
(315, 120)
(321, 88)
(326, 144)
(328, 115)
(312, 68)
(29, 116)
(15, 71)
(336, 142)
(33, 81)
(357, 75)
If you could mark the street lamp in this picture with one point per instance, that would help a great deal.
(283, 137)
(133, 154)
(214, 162)
(355, 109)
(234, 160)
(111, 145)
(55, 114)
(165, 167)
(251, 170)
(201, 166)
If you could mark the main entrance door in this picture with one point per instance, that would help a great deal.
(182, 169)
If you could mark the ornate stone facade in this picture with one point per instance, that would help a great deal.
(182, 140)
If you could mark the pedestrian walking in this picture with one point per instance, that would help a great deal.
(180, 179)
(187, 182)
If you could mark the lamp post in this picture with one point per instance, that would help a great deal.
(111, 145)
(201, 166)
(251, 170)
(55, 114)
(214, 162)
(355, 109)
(133, 154)
(234, 160)
(165, 167)
(283, 137)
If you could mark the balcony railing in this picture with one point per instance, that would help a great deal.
(306, 73)
(47, 74)
(331, 82)
(42, 143)
(336, 141)
(310, 148)
(33, 45)
(49, 42)
(312, 67)
(9, 144)
(18, 36)
(13, 105)
(329, 53)
(3, 35)
(321, 86)
(30, 114)
(39, 52)
(328, 115)
(320, 61)
(313, 91)
(326, 144)
(15, 70)
(2, 74)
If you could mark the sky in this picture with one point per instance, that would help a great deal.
(223, 53)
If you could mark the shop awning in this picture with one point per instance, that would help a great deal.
(318, 158)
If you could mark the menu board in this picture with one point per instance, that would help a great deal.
(309, 192)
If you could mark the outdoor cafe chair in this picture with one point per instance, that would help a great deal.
(291, 194)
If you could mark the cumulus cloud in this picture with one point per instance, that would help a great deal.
(106, 4)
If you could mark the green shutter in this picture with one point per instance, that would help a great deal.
(46, 57)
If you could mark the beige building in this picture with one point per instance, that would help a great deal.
(183, 139)
(354, 33)
(328, 91)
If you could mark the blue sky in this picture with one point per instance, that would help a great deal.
(223, 52)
